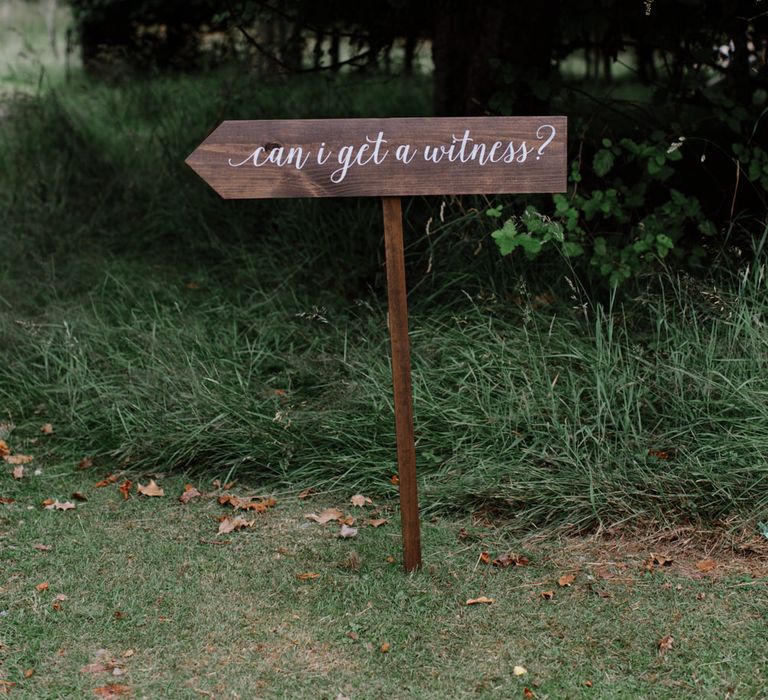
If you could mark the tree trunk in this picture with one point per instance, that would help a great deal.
(474, 43)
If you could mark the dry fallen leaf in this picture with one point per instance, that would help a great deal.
(657, 560)
(43, 547)
(377, 522)
(151, 489)
(306, 493)
(706, 565)
(482, 600)
(519, 670)
(665, 643)
(18, 472)
(230, 524)
(385, 648)
(6, 687)
(47, 429)
(511, 559)
(4, 449)
(659, 454)
(57, 505)
(44, 586)
(29, 673)
(85, 463)
(359, 500)
(190, 492)
(566, 580)
(61, 597)
(18, 459)
(111, 691)
(6, 500)
(547, 595)
(79, 496)
(326, 516)
(125, 488)
(259, 505)
(395, 479)
(346, 532)
(348, 521)
(106, 481)
(308, 576)
(528, 693)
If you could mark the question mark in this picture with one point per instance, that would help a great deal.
(548, 141)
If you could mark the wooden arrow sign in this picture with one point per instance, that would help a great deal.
(387, 158)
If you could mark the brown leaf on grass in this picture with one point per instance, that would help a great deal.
(118, 615)
(482, 600)
(106, 481)
(659, 454)
(85, 463)
(485, 558)
(384, 648)
(42, 547)
(44, 586)
(230, 524)
(47, 429)
(308, 576)
(349, 521)
(395, 479)
(260, 505)
(151, 489)
(51, 504)
(4, 449)
(528, 693)
(346, 532)
(665, 643)
(511, 559)
(79, 496)
(28, 673)
(190, 492)
(358, 500)
(111, 691)
(658, 560)
(18, 472)
(7, 500)
(326, 516)
(376, 522)
(18, 459)
(706, 565)
(547, 595)
(566, 580)
(306, 493)
(6, 687)
(125, 488)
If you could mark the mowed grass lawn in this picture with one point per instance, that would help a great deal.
(144, 597)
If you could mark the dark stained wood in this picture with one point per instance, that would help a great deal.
(227, 158)
(401, 380)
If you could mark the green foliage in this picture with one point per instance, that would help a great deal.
(628, 220)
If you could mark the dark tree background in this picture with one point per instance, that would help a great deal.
(478, 48)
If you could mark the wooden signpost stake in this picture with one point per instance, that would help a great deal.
(387, 158)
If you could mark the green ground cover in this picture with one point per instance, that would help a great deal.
(144, 596)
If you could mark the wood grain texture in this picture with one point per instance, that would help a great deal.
(401, 381)
(476, 155)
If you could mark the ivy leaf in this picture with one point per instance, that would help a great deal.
(506, 237)
(603, 162)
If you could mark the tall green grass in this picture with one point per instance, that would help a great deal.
(529, 396)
